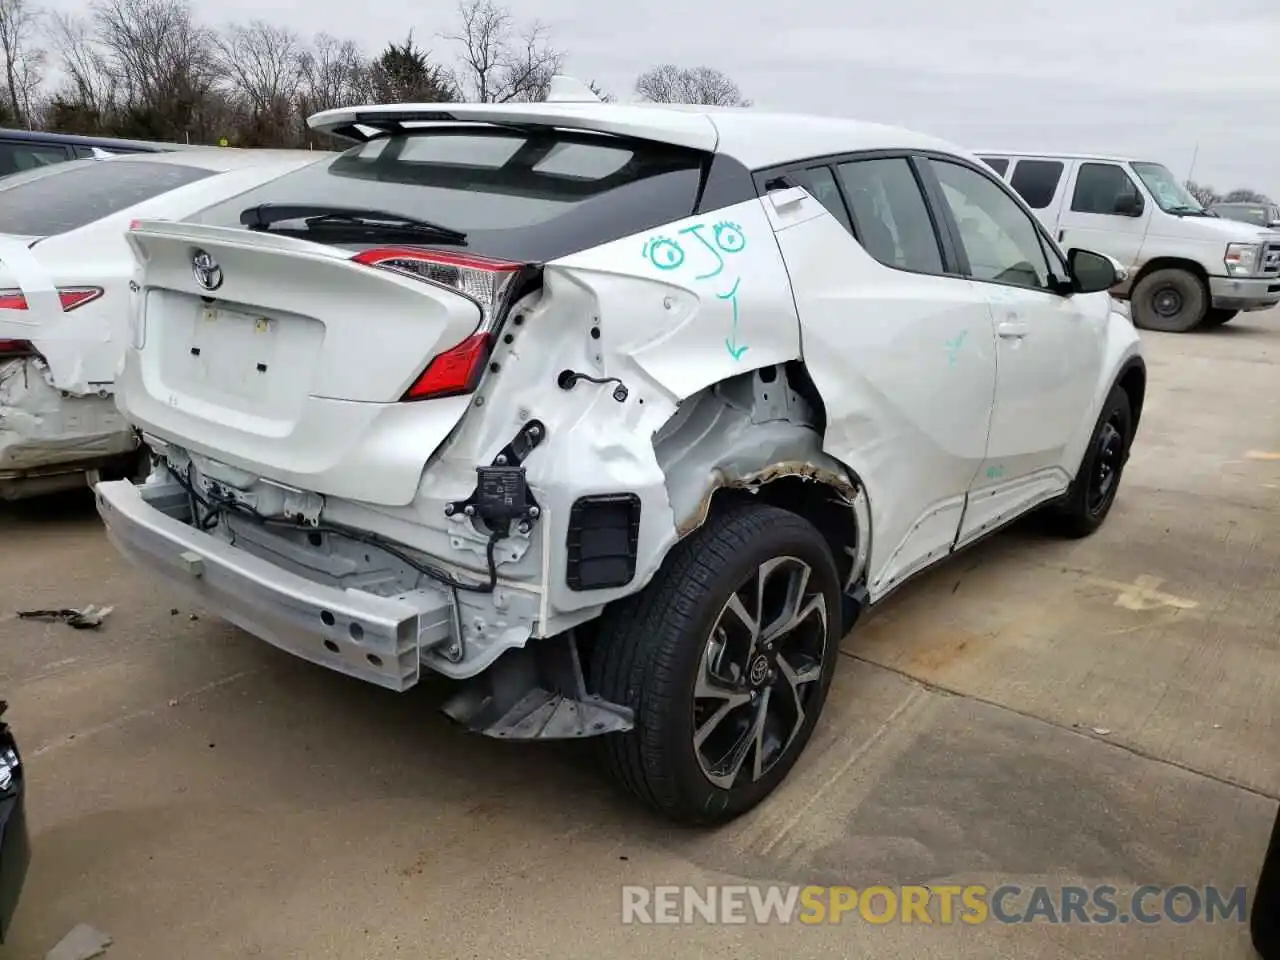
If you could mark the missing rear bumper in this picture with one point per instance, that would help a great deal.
(373, 638)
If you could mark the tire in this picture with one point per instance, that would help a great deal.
(1264, 914)
(654, 648)
(1093, 491)
(1216, 318)
(1169, 300)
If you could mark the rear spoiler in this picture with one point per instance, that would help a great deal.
(676, 127)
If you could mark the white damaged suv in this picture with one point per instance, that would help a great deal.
(617, 414)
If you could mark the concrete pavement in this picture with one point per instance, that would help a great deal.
(195, 793)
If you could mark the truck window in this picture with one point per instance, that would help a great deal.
(999, 164)
(1100, 187)
(1036, 181)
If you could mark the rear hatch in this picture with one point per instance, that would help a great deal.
(334, 351)
(289, 358)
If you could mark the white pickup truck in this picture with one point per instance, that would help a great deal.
(1187, 267)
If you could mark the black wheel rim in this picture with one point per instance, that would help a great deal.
(1107, 461)
(1167, 301)
(759, 672)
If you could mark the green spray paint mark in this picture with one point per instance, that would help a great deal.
(731, 342)
(726, 238)
(953, 346)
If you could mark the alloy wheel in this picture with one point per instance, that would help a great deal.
(759, 671)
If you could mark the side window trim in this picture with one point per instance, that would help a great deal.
(792, 175)
(1049, 250)
(952, 263)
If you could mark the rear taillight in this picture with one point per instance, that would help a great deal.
(487, 282)
(453, 372)
(71, 297)
(16, 348)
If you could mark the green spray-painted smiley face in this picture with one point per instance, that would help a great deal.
(726, 238)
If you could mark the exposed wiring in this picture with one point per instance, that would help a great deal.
(568, 379)
(214, 511)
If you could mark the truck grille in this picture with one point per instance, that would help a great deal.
(1271, 260)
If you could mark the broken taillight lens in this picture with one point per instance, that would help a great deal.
(487, 282)
(71, 297)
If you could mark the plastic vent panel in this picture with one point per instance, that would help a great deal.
(601, 542)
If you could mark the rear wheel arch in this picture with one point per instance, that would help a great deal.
(759, 436)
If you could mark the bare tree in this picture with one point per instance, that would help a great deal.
(334, 73)
(164, 63)
(23, 60)
(499, 63)
(89, 90)
(1203, 193)
(262, 64)
(1246, 196)
(599, 91)
(668, 83)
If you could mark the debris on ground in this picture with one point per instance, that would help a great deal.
(90, 618)
(82, 943)
(1101, 731)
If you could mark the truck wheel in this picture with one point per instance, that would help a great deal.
(1169, 300)
(1216, 318)
(1093, 491)
(726, 658)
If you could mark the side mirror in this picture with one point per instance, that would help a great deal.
(1129, 205)
(1093, 272)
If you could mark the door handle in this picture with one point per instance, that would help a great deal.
(1061, 234)
(1012, 329)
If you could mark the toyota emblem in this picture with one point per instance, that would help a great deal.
(208, 273)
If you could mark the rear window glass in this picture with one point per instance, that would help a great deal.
(525, 196)
(84, 191)
(998, 164)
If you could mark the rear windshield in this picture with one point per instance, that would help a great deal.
(524, 196)
(80, 193)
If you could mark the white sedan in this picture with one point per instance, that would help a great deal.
(617, 415)
(65, 269)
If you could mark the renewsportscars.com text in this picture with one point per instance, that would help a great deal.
(972, 904)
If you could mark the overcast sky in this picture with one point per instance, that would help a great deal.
(1149, 77)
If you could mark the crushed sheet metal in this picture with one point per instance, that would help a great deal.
(40, 428)
(847, 491)
(61, 337)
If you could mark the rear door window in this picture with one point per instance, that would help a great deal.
(1036, 181)
(16, 156)
(529, 196)
(999, 164)
(890, 217)
(85, 191)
